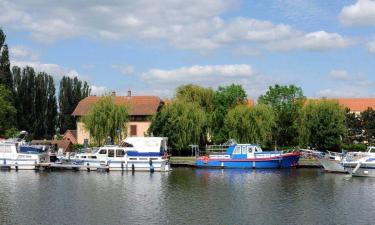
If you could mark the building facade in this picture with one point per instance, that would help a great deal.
(141, 110)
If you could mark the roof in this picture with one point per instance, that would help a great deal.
(71, 135)
(138, 105)
(357, 104)
(354, 104)
(249, 102)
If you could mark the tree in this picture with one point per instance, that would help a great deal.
(196, 94)
(7, 110)
(250, 125)
(224, 99)
(71, 92)
(104, 119)
(5, 73)
(286, 102)
(322, 125)
(182, 122)
(355, 127)
(368, 118)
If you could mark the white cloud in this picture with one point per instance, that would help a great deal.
(54, 70)
(124, 69)
(99, 90)
(164, 82)
(23, 52)
(371, 46)
(360, 13)
(247, 51)
(189, 24)
(340, 75)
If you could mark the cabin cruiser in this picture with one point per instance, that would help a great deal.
(17, 154)
(249, 156)
(134, 153)
(361, 163)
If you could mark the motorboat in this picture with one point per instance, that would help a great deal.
(17, 154)
(249, 156)
(361, 164)
(134, 153)
(331, 161)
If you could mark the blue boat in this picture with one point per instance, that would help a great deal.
(249, 156)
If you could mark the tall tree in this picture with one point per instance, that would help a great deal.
(71, 92)
(5, 73)
(182, 122)
(104, 119)
(224, 99)
(286, 101)
(322, 125)
(196, 94)
(6, 110)
(355, 127)
(250, 125)
(368, 119)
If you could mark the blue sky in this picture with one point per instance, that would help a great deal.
(152, 47)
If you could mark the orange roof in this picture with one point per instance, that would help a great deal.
(138, 105)
(354, 104)
(71, 135)
(249, 102)
(357, 104)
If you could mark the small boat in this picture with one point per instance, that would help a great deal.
(17, 154)
(248, 156)
(331, 161)
(361, 164)
(134, 153)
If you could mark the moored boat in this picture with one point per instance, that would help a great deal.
(134, 153)
(248, 156)
(17, 154)
(361, 164)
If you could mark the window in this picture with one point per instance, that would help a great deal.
(111, 153)
(244, 150)
(133, 130)
(237, 150)
(120, 153)
(249, 149)
(103, 152)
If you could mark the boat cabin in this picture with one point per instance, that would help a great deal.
(245, 151)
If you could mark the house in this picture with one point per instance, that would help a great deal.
(71, 135)
(355, 105)
(141, 109)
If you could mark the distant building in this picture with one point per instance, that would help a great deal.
(141, 109)
(71, 135)
(355, 105)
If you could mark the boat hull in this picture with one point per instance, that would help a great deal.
(284, 161)
(364, 170)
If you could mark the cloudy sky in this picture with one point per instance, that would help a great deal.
(152, 46)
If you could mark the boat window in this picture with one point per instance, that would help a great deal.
(120, 153)
(244, 149)
(249, 149)
(111, 153)
(237, 150)
(93, 157)
(132, 158)
(103, 151)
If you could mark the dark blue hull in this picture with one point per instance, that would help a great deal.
(284, 161)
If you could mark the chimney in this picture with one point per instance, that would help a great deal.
(113, 93)
(129, 93)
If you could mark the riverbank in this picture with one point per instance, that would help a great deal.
(189, 161)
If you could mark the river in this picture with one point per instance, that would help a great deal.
(186, 196)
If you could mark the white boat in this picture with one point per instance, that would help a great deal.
(133, 154)
(16, 154)
(331, 161)
(361, 163)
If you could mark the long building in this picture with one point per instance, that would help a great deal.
(141, 110)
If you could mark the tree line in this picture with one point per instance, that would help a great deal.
(28, 99)
(282, 118)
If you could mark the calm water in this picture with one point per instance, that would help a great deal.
(186, 196)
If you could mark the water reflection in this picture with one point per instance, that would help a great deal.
(186, 196)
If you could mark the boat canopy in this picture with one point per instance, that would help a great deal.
(147, 144)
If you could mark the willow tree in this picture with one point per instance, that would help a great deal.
(250, 125)
(322, 125)
(106, 119)
(182, 122)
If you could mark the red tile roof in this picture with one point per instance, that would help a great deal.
(357, 104)
(249, 102)
(138, 105)
(354, 104)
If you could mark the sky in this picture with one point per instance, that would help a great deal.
(152, 46)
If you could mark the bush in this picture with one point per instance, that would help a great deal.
(354, 147)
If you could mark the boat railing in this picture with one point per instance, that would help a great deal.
(216, 149)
